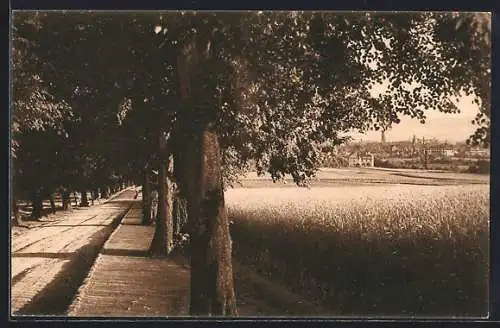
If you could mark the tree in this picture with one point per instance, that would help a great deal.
(268, 88)
(87, 87)
(35, 115)
(466, 40)
(314, 65)
(162, 242)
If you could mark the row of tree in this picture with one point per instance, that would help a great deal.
(190, 98)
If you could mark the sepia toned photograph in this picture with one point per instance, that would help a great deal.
(249, 164)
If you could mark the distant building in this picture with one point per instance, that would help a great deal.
(440, 150)
(477, 152)
(361, 160)
(449, 152)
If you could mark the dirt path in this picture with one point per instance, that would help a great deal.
(82, 265)
(126, 282)
(49, 261)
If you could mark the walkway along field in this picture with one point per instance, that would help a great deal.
(79, 267)
(49, 262)
(126, 282)
(424, 244)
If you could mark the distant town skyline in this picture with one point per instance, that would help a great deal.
(442, 126)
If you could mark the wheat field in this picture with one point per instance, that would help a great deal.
(386, 250)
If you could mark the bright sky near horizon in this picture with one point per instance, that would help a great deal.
(443, 126)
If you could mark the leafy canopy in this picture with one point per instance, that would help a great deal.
(279, 87)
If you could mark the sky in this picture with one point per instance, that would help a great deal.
(442, 126)
(453, 128)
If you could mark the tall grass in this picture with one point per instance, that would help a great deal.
(374, 250)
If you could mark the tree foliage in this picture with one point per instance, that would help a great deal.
(466, 39)
(275, 89)
(279, 85)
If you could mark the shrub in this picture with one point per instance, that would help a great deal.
(480, 167)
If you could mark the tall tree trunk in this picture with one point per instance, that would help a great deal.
(95, 193)
(53, 208)
(15, 211)
(169, 204)
(37, 203)
(146, 199)
(84, 202)
(104, 192)
(180, 213)
(181, 171)
(212, 290)
(65, 194)
(163, 239)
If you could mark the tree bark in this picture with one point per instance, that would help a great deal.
(65, 194)
(15, 211)
(212, 290)
(104, 192)
(146, 199)
(84, 202)
(163, 239)
(95, 193)
(37, 203)
(180, 214)
(53, 208)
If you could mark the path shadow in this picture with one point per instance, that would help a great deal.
(120, 202)
(57, 296)
(125, 252)
(46, 255)
(74, 225)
